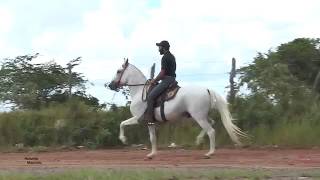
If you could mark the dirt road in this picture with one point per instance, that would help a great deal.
(243, 158)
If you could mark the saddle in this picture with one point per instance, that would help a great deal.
(167, 95)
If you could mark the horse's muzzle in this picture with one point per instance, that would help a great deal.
(113, 86)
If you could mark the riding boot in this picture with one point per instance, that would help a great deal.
(149, 114)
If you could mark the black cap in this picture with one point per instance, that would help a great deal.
(164, 44)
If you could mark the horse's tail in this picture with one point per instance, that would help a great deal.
(219, 103)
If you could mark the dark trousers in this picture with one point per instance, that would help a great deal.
(154, 93)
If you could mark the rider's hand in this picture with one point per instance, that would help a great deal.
(153, 81)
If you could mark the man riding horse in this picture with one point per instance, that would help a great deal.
(196, 102)
(167, 75)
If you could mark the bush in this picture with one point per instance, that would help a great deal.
(71, 123)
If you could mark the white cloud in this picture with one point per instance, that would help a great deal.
(203, 30)
(2, 44)
(50, 44)
(100, 69)
(6, 20)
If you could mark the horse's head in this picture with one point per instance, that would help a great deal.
(121, 77)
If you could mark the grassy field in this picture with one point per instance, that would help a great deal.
(160, 174)
(76, 124)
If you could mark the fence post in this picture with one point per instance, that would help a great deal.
(232, 92)
(316, 84)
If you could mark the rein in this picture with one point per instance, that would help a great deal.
(135, 84)
(145, 90)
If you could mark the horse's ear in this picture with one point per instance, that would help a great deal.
(125, 62)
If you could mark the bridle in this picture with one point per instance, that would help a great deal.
(145, 88)
(122, 72)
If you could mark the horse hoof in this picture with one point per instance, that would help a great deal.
(148, 158)
(208, 155)
(199, 142)
(123, 140)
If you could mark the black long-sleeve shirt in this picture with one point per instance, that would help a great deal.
(168, 64)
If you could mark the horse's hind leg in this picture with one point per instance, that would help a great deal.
(199, 139)
(206, 127)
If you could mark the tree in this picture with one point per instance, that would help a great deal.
(279, 83)
(302, 56)
(288, 72)
(31, 86)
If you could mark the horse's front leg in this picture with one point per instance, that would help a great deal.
(131, 121)
(153, 140)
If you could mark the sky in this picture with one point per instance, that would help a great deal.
(204, 35)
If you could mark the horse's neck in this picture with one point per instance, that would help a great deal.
(138, 78)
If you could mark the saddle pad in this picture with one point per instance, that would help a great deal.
(167, 95)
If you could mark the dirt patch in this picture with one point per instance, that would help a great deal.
(236, 158)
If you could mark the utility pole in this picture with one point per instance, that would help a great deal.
(316, 84)
(232, 93)
(70, 65)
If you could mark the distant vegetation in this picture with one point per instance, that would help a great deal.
(277, 103)
(282, 104)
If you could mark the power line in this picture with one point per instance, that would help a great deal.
(202, 74)
(203, 62)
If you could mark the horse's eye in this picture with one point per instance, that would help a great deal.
(119, 71)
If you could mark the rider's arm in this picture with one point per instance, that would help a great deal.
(160, 76)
(162, 73)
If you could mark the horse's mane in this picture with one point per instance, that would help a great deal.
(138, 70)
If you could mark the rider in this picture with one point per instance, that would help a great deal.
(167, 76)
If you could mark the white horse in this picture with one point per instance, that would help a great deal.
(194, 101)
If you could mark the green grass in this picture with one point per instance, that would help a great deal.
(304, 134)
(298, 134)
(73, 124)
(160, 174)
